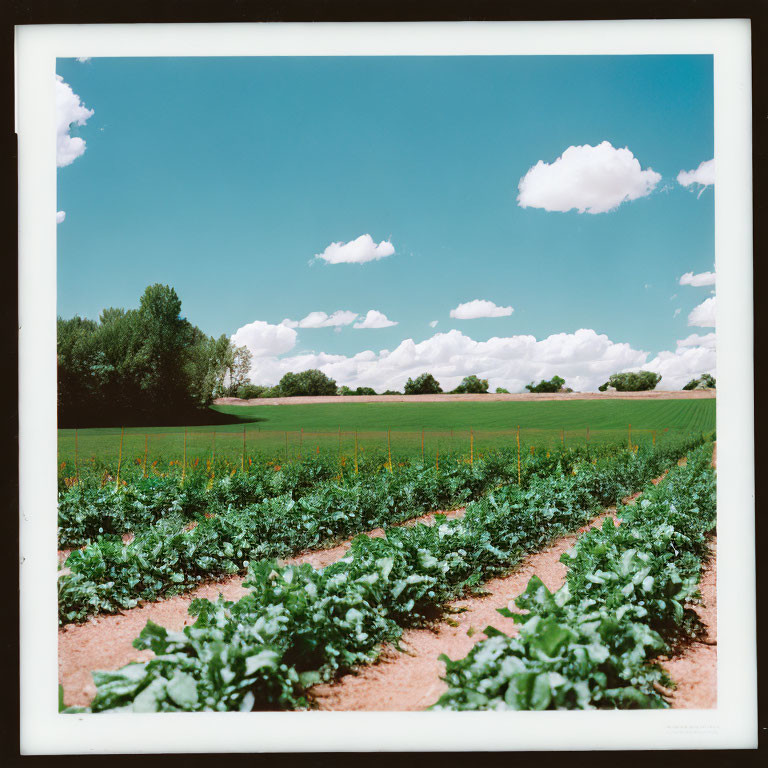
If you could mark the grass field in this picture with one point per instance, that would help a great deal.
(293, 431)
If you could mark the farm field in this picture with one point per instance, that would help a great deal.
(296, 431)
(296, 626)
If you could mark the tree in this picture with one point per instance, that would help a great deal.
(705, 381)
(391, 392)
(426, 384)
(555, 384)
(251, 391)
(307, 383)
(634, 381)
(501, 391)
(472, 385)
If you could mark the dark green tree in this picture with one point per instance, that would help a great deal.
(307, 383)
(426, 384)
(472, 385)
(705, 381)
(634, 381)
(555, 384)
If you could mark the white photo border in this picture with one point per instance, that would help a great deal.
(733, 724)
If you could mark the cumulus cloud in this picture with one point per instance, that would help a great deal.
(322, 319)
(704, 175)
(375, 319)
(471, 310)
(69, 110)
(695, 340)
(83, 59)
(433, 323)
(356, 251)
(60, 216)
(704, 314)
(703, 278)
(263, 339)
(586, 178)
(688, 361)
(585, 359)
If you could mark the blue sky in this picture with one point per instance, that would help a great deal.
(224, 177)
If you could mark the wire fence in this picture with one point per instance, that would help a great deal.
(192, 450)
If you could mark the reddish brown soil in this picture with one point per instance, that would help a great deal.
(105, 642)
(654, 394)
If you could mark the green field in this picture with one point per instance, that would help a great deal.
(294, 431)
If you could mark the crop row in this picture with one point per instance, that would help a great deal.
(90, 509)
(168, 558)
(298, 626)
(591, 643)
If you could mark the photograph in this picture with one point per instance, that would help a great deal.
(386, 382)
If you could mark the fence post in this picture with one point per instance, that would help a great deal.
(146, 441)
(77, 466)
(355, 451)
(389, 449)
(242, 463)
(518, 454)
(120, 457)
(184, 466)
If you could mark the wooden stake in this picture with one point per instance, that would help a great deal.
(422, 445)
(77, 470)
(301, 440)
(654, 437)
(242, 463)
(389, 449)
(437, 458)
(120, 456)
(146, 441)
(339, 440)
(355, 451)
(630, 437)
(286, 445)
(184, 466)
(471, 445)
(518, 454)
(213, 460)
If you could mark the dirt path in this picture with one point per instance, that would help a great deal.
(106, 641)
(654, 394)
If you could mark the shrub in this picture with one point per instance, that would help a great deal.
(345, 390)
(426, 384)
(555, 384)
(635, 381)
(472, 385)
(705, 381)
(391, 392)
(501, 391)
(249, 391)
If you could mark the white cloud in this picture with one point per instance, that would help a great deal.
(83, 59)
(263, 339)
(584, 358)
(60, 216)
(704, 175)
(704, 314)
(322, 319)
(703, 278)
(69, 110)
(590, 179)
(677, 312)
(375, 319)
(688, 361)
(433, 323)
(695, 340)
(356, 251)
(471, 310)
